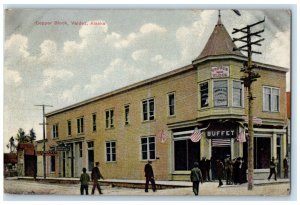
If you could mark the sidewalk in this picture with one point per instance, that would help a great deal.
(141, 183)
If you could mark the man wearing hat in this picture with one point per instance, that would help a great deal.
(95, 176)
(149, 176)
(196, 178)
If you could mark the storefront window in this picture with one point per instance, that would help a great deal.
(262, 152)
(237, 93)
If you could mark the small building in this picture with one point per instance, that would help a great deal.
(10, 164)
(26, 159)
(154, 119)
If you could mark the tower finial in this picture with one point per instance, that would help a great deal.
(219, 20)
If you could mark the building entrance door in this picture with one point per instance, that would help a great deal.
(220, 149)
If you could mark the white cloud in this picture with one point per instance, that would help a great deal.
(71, 95)
(51, 75)
(12, 78)
(139, 54)
(150, 27)
(48, 51)
(16, 46)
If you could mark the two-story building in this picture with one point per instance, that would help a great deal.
(155, 118)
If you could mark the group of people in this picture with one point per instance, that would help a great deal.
(234, 172)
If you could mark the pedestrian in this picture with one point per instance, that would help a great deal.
(95, 176)
(228, 170)
(243, 171)
(236, 171)
(149, 176)
(220, 170)
(84, 181)
(272, 169)
(203, 168)
(196, 178)
(207, 165)
(286, 167)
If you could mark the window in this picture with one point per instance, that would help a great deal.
(262, 152)
(69, 128)
(148, 148)
(80, 125)
(220, 93)
(204, 94)
(111, 151)
(237, 92)
(148, 109)
(55, 131)
(94, 122)
(171, 102)
(270, 99)
(126, 107)
(109, 118)
(90, 155)
(52, 164)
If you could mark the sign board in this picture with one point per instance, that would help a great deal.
(62, 148)
(220, 97)
(256, 120)
(47, 153)
(221, 133)
(220, 71)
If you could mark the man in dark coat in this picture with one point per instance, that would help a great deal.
(220, 171)
(272, 169)
(207, 165)
(203, 168)
(286, 167)
(149, 176)
(196, 178)
(95, 176)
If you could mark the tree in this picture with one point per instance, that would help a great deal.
(32, 135)
(11, 145)
(21, 136)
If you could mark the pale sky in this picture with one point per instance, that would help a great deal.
(61, 65)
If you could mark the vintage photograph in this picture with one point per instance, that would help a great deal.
(147, 102)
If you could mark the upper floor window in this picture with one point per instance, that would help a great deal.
(55, 131)
(148, 147)
(148, 109)
(109, 118)
(171, 104)
(270, 99)
(204, 94)
(69, 127)
(80, 125)
(111, 151)
(220, 93)
(94, 122)
(126, 108)
(237, 94)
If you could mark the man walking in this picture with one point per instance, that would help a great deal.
(286, 167)
(220, 171)
(149, 176)
(196, 178)
(95, 176)
(272, 169)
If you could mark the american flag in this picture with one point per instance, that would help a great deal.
(196, 136)
(241, 137)
(162, 136)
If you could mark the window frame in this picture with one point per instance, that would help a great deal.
(169, 104)
(213, 93)
(109, 119)
(271, 102)
(201, 83)
(111, 153)
(148, 148)
(148, 111)
(69, 128)
(55, 133)
(80, 125)
(94, 122)
(242, 94)
(126, 114)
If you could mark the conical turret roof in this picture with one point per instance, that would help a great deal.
(219, 43)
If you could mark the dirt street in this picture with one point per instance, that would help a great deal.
(206, 189)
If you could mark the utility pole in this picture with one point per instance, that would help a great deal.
(248, 79)
(44, 138)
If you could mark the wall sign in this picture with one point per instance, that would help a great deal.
(220, 71)
(220, 133)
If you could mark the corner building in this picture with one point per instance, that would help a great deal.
(122, 129)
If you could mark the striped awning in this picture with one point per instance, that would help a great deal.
(221, 142)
